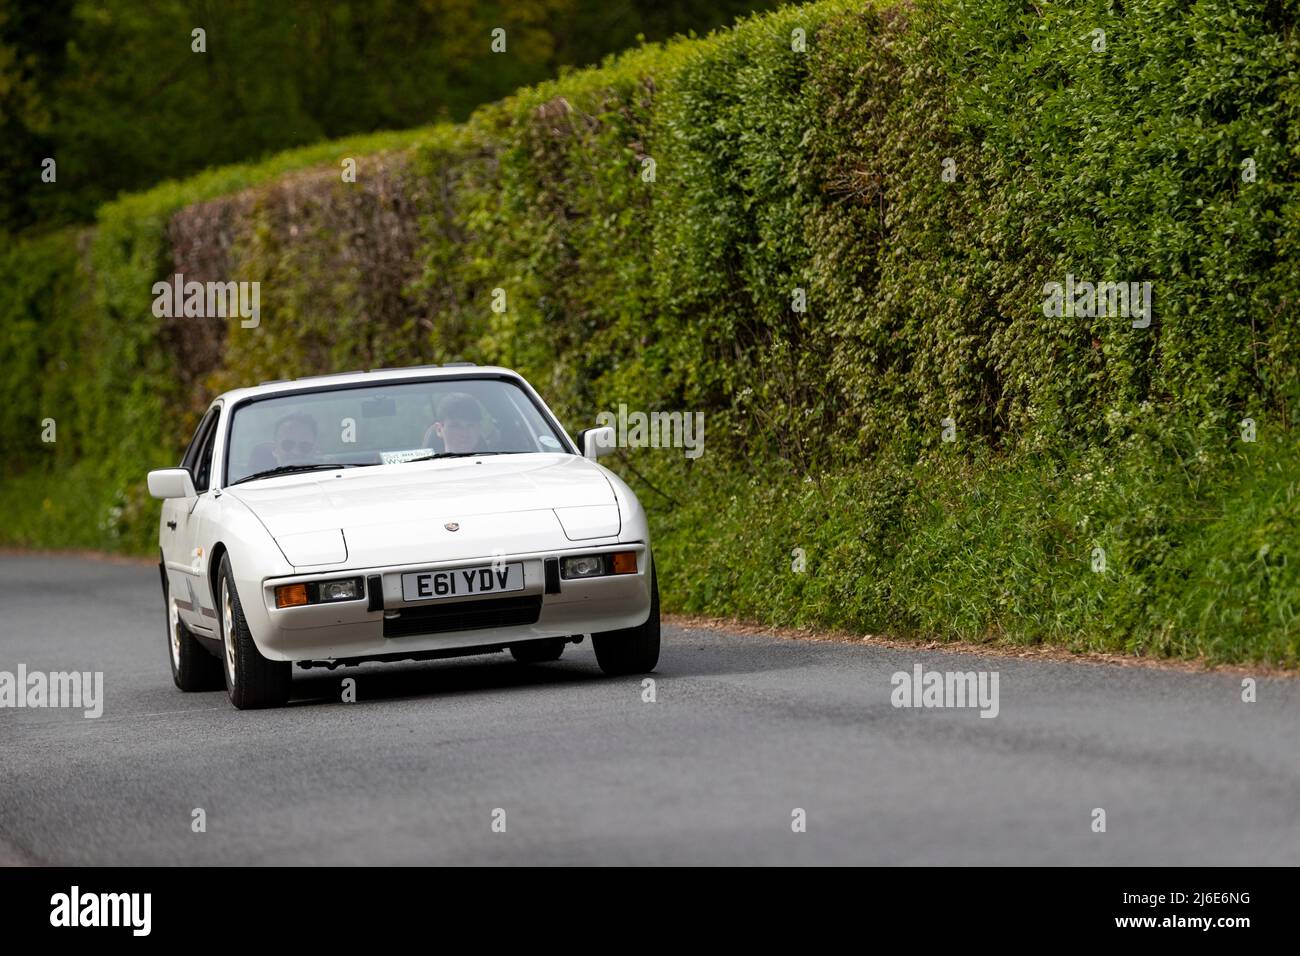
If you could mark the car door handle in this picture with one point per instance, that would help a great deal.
(172, 525)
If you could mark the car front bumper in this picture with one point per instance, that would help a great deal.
(357, 628)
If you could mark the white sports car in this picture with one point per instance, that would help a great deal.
(404, 514)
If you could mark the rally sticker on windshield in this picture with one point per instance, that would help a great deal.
(397, 457)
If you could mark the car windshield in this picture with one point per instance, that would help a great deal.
(385, 424)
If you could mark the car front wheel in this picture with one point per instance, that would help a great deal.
(252, 681)
(632, 650)
(193, 668)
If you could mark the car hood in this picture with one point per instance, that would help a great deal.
(394, 514)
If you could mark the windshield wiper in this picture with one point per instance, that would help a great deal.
(459, 454)
(290, 469)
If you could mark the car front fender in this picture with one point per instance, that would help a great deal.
(237, 533)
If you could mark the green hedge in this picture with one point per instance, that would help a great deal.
(81, 345)
(947, 456)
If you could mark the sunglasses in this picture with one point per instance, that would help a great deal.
(292, 447)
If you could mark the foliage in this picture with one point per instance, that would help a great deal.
(115, 91)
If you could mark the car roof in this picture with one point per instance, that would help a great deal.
(367, 376)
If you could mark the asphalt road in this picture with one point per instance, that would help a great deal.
(744, 730)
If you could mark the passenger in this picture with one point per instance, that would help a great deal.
(458, 422)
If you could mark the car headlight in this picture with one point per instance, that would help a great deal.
(348, 589)
(584, 566)
(598, 565)
(320, 592)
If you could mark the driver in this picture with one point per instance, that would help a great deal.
(295, 440)
(458, 423)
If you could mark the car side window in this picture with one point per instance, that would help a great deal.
(203, 472)
(191, 458)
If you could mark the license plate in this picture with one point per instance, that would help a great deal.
(462, 582)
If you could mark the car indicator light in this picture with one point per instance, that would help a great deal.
(290, 595)
(624, 562)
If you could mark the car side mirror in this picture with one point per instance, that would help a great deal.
(171, 483)
(597, 442)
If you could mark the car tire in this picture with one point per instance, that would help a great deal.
(632, 650)
(193, 668)
(252, 681)
(538, 652)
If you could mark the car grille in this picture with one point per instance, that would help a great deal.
(465, 616)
